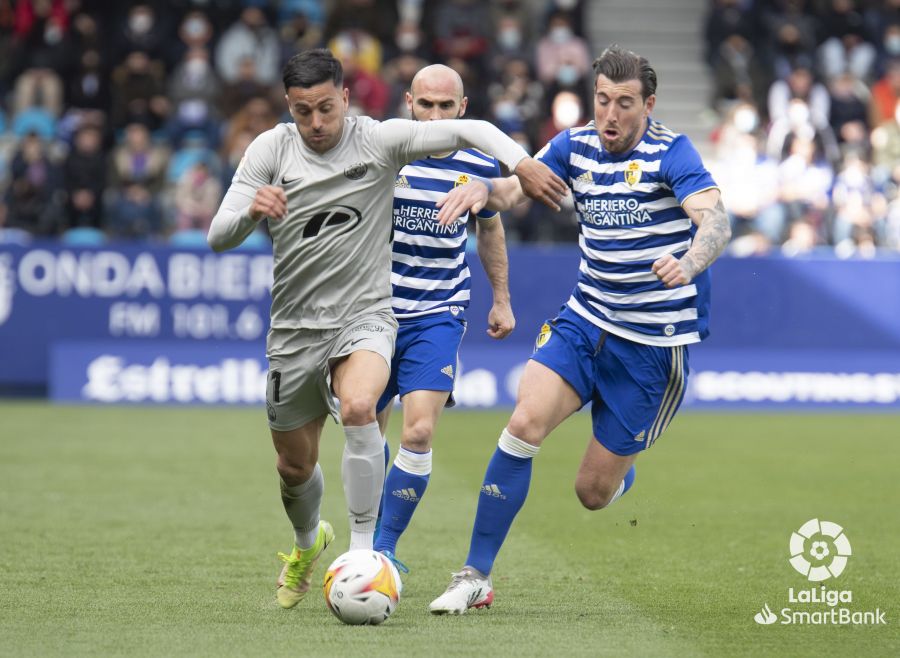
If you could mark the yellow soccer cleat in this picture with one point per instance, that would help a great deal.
(296, 575)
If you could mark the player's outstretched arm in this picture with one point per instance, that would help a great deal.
(491, 242)
(504, 193)
(706, 211)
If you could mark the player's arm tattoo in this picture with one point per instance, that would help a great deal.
(713, 234)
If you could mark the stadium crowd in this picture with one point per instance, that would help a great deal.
(127, 120)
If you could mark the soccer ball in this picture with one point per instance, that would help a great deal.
(362, 587)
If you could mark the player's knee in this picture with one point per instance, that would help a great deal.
(293, 471)
(357, 410)
(417, 436)
(593, 497)
(526, 426)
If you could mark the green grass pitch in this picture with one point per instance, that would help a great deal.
(153, 532)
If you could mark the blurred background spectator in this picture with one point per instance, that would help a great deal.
(131, 118)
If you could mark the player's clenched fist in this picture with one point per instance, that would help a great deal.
(672, 272)
(270, 201)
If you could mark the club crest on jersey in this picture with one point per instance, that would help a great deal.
(633, 173)
(462, 179)
(543, 337)
(357, 171)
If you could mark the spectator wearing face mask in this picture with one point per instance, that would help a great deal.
(143, 30)
(561, 56)
(510, 43)
(251, 36)
(195, 91)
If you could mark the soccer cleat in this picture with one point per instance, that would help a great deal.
(402, 568)
(296, 575)
(468, 589)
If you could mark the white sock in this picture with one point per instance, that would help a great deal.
(516, 447)
(417, 463)
(362, 469)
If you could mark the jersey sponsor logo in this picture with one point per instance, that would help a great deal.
(633, 173)
(462, 179)
(613, 212)
(543, 336)
(448, 370)
(344, 218)
(357, 171)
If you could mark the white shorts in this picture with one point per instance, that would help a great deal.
(298, 388)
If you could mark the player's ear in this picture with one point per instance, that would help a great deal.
(287, 100)
(346, 99)
(463, 104)
(650, 102)
(409, 102)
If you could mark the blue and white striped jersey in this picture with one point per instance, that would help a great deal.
(429, 272)
(630, 214)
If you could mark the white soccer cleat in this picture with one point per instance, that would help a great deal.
(468, 588)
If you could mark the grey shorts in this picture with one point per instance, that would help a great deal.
(298, 388)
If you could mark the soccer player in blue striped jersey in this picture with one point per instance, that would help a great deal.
(430, 280)
(651, 221)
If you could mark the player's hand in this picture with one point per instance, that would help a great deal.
(672, 272)
(501, 321)
(540, 183)
(469, 197)
(270, 201)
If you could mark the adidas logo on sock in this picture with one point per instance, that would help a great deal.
(406, 494)
(493, 491)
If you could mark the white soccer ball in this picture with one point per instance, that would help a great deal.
(362, 587)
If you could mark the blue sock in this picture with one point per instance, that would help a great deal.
(404, 487)
(503, 493)
(387, 460)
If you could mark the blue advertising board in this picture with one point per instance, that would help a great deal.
(155, 325)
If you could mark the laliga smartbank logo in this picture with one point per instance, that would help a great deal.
(819, 550)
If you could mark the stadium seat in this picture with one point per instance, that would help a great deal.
(17, 236)
(84, 236)
(34, 120)
(189, 239)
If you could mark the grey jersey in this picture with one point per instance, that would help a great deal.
(333, 249)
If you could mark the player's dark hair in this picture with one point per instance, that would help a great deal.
(312, 67)
(620, 65)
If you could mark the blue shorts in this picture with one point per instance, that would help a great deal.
(425, 358)
(635, 389)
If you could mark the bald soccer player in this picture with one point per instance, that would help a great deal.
(431, 288)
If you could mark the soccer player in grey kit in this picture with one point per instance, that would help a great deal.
(325, 183)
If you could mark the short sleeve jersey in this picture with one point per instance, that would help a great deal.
(630, 214)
